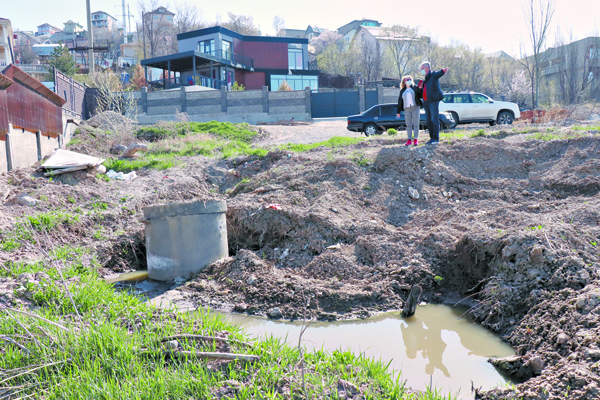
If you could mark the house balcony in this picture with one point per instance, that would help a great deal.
(230, 58)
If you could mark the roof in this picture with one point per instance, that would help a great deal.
(180, 62)
(315, 29)
(162, 12)
(5, 81)
(383, 33)
(103, 12)
(73, 22)
(220, 29)
(25, 79)
(39, 26)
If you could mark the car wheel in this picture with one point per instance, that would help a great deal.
(371, 129)
(505, 118)
(455, 118)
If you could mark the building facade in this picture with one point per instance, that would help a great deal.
(47, 30)
(101, 19)
(217, 57)
(7, 43)
(72, 27)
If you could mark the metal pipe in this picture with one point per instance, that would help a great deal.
(90, 38)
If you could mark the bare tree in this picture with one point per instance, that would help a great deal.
(324, 40)
(337, 60)
(279, 25)
(158, 30)
(404, 45)
(188, 18)
(242, 24)
(538, 16)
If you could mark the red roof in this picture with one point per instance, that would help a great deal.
(24, 78)
(5, 81)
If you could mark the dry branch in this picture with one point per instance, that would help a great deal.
(201, 355)
(205, 339)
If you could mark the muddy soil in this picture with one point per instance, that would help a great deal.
(505, 223)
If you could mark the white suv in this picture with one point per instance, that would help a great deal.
(469, 107)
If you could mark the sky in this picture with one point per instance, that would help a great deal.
(492, 25)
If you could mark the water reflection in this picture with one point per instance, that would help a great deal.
(434, 344)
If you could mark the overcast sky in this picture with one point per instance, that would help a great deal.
(490, 24)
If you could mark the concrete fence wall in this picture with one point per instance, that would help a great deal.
(23, 148)
(250, 106)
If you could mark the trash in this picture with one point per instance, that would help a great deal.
(26, 200)
(63, 161)
(134, 148)
(285, 253)
(335, 246)
(121, 176)
(413, 193)
(273, 206)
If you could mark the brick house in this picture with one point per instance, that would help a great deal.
(217, 56)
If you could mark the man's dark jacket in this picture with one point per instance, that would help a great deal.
(418, 96)
(434, 93)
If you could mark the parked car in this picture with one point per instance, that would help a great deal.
(382, 117)
(469, 107)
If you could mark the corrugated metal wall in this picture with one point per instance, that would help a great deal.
(72, 91)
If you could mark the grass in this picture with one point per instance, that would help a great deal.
(334, 142)
(113, 350)
(43, 222)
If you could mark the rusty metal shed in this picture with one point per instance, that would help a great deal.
(27, 104)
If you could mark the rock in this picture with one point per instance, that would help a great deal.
(275, 313)
(100, 169)
(510, 250)
(241, 307)
(535, 176)
(592, 353)
(580, 304)
(562, 338)
(25, 277)
(536, 255)
(117, 149)
(180, 280)
(172, 344)
(537, 365)
(134, 148)
(285, 253)
(413, 193)
(347, 387)
(26, 200)
(251, 279)
(532, 273)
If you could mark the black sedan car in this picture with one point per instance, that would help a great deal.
(382, 117)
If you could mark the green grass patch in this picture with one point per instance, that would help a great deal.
(114, 351)
(144, 162)
(25, 227)
(334, 142)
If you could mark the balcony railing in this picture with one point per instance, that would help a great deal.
(176, 82)
(231, 56)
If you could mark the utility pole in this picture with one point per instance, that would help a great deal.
(124, 23)
(129, 17)
(90, 38)
(144, 44)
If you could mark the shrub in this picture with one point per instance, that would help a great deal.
(284, 86)
(392, 132)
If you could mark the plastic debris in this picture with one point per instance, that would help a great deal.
(121, 176)
(274, 206)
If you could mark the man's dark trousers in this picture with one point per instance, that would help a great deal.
(432, 112)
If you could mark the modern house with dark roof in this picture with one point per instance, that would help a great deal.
(216, 57)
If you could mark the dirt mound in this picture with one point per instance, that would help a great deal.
(508, 225)
(100, 133)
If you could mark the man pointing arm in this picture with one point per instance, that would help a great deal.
(432, 95)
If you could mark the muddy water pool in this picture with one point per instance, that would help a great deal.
(434, 346)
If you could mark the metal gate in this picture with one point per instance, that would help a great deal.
(334, 103)
(371, 98)
(72, 91)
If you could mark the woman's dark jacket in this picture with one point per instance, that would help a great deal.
(418, 96)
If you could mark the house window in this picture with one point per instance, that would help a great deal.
(207, 46)
(296, 82)
(295, 59)
(227, 53)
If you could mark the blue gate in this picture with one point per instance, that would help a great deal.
(334, 103)
(370, 98)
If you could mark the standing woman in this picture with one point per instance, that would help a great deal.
(410, 102)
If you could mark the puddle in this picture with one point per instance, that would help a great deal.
(434, 344)
(138, 283)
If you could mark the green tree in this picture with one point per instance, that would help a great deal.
(61, 59)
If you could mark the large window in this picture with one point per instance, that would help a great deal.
(296, 82)
(295, 59)
(227, 50)
(207, 46)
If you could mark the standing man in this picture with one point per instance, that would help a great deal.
(432, 95)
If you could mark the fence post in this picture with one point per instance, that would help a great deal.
(223, 99)
(307, 100)
(9, 164)
(265, 99)
(182, 99)
(38, 141)
(379, 93)
(361, 98)
(144, 100)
